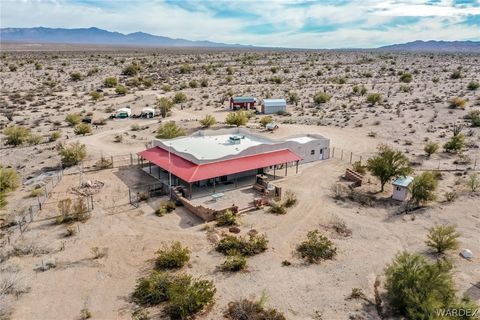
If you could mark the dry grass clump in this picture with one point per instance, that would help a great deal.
(245, 309)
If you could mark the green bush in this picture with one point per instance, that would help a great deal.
(72, 154)
(474, 117)
(290, 199)
(473, 85)
(406, 77)
(442, 238)
(122, 90)
(388, 163)
(455, 144)
(73, 119)
(277, 208)
(165, 207)
(165, 104)
(234, 262)
(228, 218)
(76, 76)
(9, 181)
(169, 130)
(266, 120)
(16, 135)
(132, 69)
(71, 211)
(174, 257)
(153, 289)
(457, 74)
(358, 167)
(422, 189)
(255, 244)
(374, 98)
(321, 97)
(317, 247)
(54, 136)
(179, 97)
(208, 121)
(245, 309)
(417, 289)
(35, 139)
(430, 148)
(82, 129)
(110, 82)
(95, 95)
(237, 118)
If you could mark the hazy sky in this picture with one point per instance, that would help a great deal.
(288, 23)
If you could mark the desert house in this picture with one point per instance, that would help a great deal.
(245, 103)
(271, 106)
(400, 188)
(227, 157)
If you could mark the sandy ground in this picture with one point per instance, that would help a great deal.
(40, 99)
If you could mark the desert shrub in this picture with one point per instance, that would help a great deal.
(293, 98)
(358, 167)
(99, 252)
(132, 69)
(82, 129)
(208, 121)
(110, 82)
(457, 102)
(186, 299)
(237, 118)
(122, 90)
(265, 120)
(255, 244)
(227, 218)
(174, 257)
(473, 182)
(234, 262)
(71, 211)
(474, 117)
(104, 163)
(12, 68)
(290, 199)
(321, 97)
(34, 139)
(340, 226)
(245, 309)
(473, 85)
(72, 154)
(16, 135)
(359, 90)
(455, 144)
(204, 83)
(167, 87)
(165, 105)
(417, 288)
(153, 289)
(388, 163)
(75, 76)
(406, 77)
(9, 180)
(277, 208)
(430, 148)
(374, 98)
(422, 189)
(169, 130)
(95, 95)
(73, 119)
(85, 314)
(37, 192)
(193, 83)
(186, 68)
(442, 238)
(54, 136)
(165, 207)
(357, 293)
(317, 247)
(457, 74)
(179, 97)
(140, 314)
(71, 230)
(450, 196)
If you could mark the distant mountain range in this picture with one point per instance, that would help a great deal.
(434, 46)
(96, 36)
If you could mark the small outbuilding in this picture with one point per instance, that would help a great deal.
(400, 188)
(271, 106)
(242, 103)
(148, 113)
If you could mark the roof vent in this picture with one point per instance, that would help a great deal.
(235, 139)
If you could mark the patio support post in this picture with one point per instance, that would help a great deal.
(236, 184)
(274, 168)
(214, 191)
(297, 167)
(286, 167)
(190, 186)
(149, 167)
(159, 172)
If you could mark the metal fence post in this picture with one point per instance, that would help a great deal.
(111, 157)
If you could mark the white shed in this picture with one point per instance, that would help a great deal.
(148, 112)
(274, 106)
(400, 188)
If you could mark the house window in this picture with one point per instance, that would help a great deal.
(312, 152)
(399, 189)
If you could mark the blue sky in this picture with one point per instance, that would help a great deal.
(283, 23)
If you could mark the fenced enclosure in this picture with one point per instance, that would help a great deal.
(144, 192)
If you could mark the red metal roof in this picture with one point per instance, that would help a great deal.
(191, 172)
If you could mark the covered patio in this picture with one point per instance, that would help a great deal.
(200, 180)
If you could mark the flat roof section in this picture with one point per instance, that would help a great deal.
(214, 146)
(191, 172)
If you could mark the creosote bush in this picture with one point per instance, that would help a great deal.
(237, 118)
(208, 121)
(442, 238)
(234, 262)
(73, 119)
(290, 199)
(374, 98)
(82, 129)
(455, 144)
(277, 208)
(246, 309)
(227, 218)
(71, 211)
(173, 257)
(9, 181)
(321, 97)
(166, 206)
(250, 246)
(72, 154)
(430, 148)
(316, 247)
(16, 135)
(169, 130)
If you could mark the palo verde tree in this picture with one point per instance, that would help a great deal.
(442, 238)
(388, 163)
(422, 188)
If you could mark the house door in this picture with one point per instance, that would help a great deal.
(321, 154)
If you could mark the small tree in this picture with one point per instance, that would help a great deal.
(82, 129)
(208, 121)
(72, 154)
(430, 148)
(388, 163)
(179, 97)
(110, 82)
(165, 105)
(442, 238)
(16, 135)
(422, 188)
(473, 182)
(455, 144)
(174, 257)
(321, 97)
(170, 130)
(265, 120)
(237, 118)
(374, 98)
(73, 119)
(317, 247)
